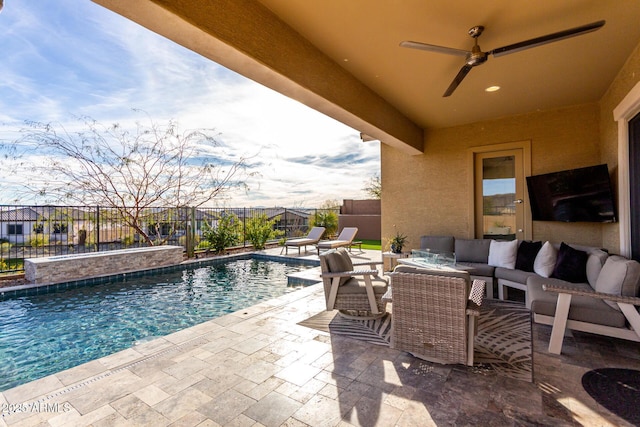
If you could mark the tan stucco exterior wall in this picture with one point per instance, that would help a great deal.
(627, 78)
(430, 193)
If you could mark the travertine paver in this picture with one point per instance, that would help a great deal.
(258, 367)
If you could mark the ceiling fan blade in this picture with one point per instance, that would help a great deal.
(458, 78)
(434, 48)
(549, 38)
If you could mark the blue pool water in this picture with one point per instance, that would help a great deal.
(44, 334)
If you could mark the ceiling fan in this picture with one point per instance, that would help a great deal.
(476, 56)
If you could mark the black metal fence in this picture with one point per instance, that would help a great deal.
(39, 231)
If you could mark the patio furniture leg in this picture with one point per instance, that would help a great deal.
(331, 301)
(632, 315)
(471, 339)
(371, 295)
(559, 323)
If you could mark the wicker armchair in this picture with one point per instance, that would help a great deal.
(434, 316)
(354, 293)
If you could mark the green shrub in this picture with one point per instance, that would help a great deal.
(204, 244)
(225, 234)
(182, 240)
(259, 230)
(127, 240)
(327, 219)
(38, 241)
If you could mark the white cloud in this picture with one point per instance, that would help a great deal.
(67, 58)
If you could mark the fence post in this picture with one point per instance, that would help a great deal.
(97, 228)
(190, 232)
(286, 223)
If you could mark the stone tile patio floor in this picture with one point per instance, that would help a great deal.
(257, 367)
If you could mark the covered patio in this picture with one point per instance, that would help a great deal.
(561, 106)
(258, 366)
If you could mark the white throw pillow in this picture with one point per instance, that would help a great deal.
(503, 254)
(545, 260)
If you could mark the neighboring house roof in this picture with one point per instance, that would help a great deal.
(177, 214)
(19, 215)
(43, 213)
(274, 212)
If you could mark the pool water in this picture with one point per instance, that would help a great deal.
(44, 334)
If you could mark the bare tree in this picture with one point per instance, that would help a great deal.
(373, 187)
(131, 171)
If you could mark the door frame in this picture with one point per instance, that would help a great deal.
(628, 108)
(525, 146)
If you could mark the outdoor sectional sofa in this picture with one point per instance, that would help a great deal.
(568, 286)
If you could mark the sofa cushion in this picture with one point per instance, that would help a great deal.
(585, 309)
(478, 269)
(437, 243)
(526, 256)
(472, 250)
(356, 285)
(619, 276)
(517, 276)
(338, 260)
(503, 254)
(545, 260)
(571, 264)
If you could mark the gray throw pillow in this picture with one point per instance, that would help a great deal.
(619, 276)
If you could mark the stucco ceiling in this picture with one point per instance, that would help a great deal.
(364, 35)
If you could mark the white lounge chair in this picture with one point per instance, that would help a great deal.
(312, 238)
(345, 239)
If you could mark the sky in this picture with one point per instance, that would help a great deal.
(61, 59)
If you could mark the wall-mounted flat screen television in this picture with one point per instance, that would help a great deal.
(576, 195)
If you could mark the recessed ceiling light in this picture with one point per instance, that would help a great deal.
(492, 89)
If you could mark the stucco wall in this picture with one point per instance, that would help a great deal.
(626, 79)
(360, 207)
(364, 214)
(429, 193)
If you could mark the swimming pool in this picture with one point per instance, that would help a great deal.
(44, 334)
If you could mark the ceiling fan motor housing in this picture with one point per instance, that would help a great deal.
(476, 56)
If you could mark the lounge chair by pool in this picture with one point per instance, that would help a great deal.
(345, 239)
(312, 238)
